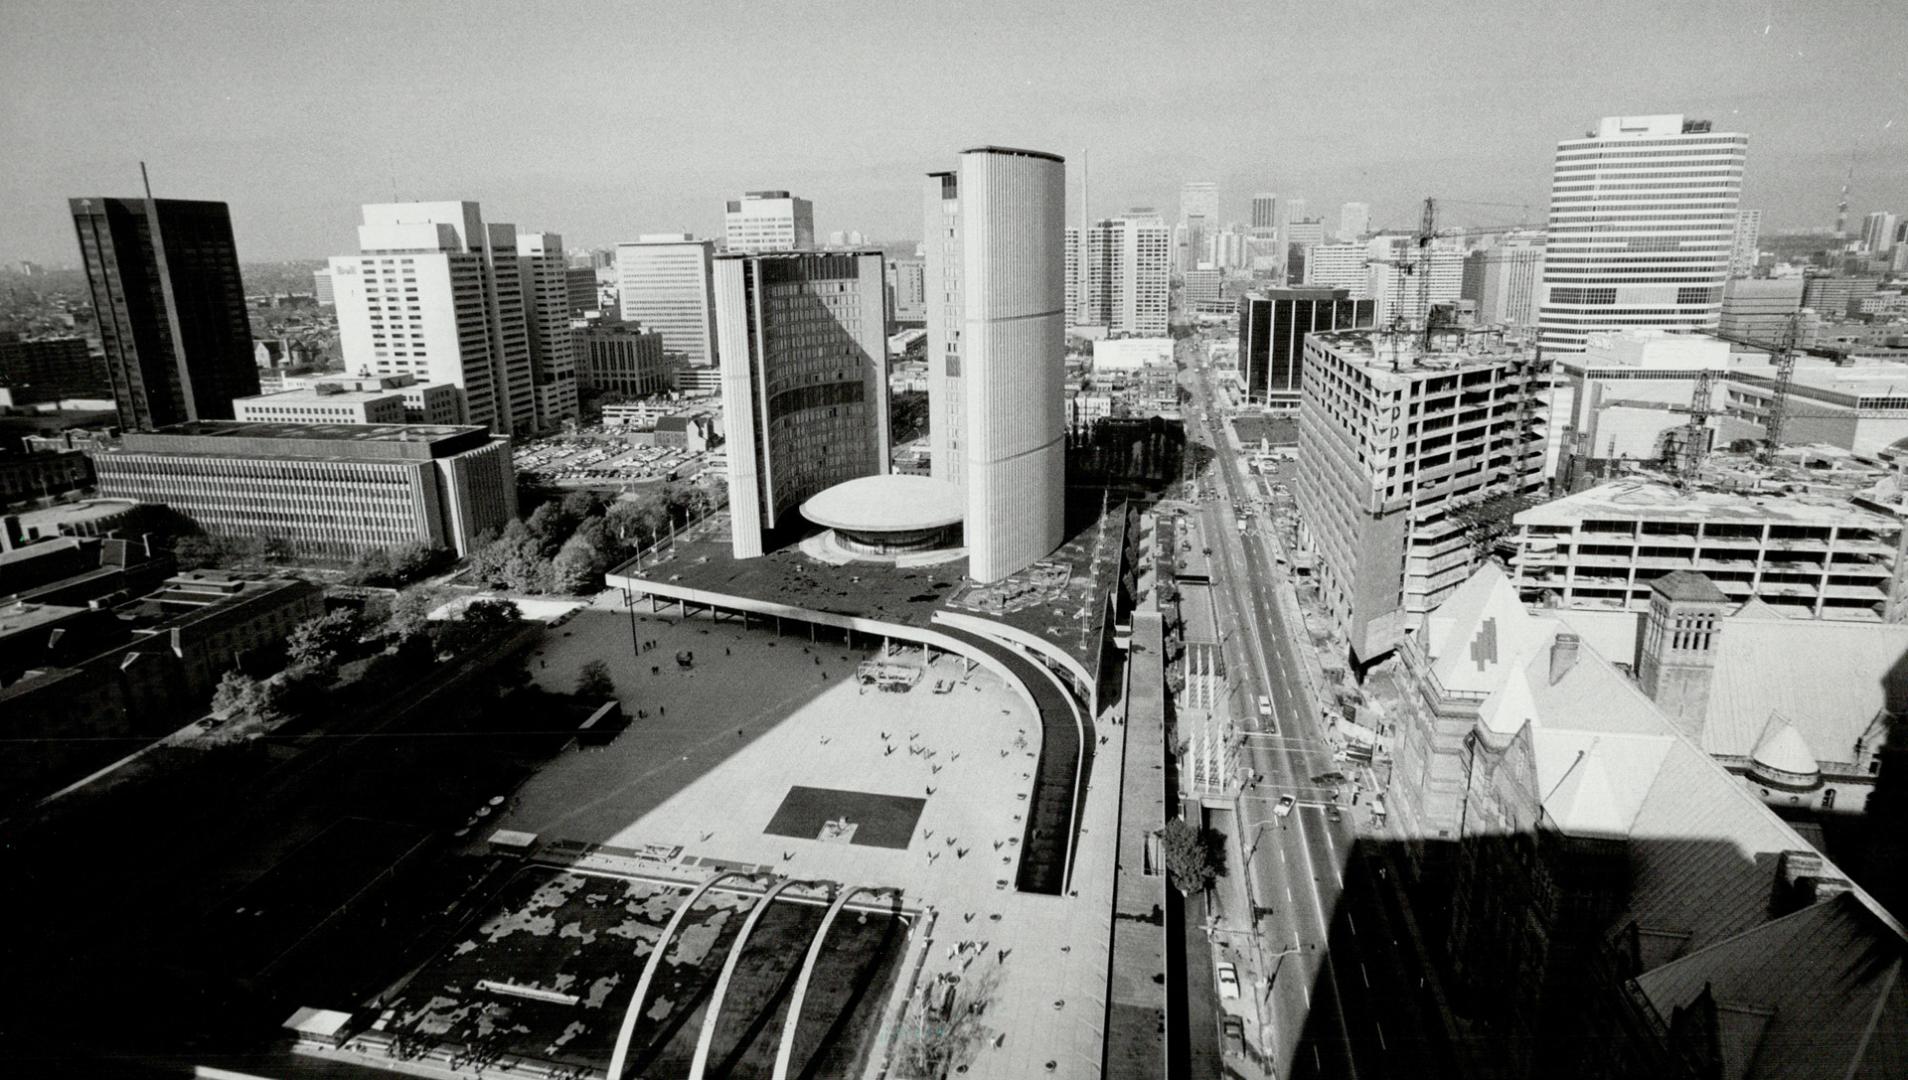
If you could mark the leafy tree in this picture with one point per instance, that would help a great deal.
(197, 551)
(410, 613)
(577, 569)
(550, 525)
(242, 698)
(581, 506)
(594, 681)
(1191, 862)
(488, 614)
(317, 643)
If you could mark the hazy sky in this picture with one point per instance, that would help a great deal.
(601, 121)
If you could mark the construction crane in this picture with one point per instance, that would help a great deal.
(1782, 355)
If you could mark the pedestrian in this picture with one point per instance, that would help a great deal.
(738, 733)
(662, 710)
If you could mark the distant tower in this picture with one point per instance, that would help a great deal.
(1678, 655)
(1841, 208)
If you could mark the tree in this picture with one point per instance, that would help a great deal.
(550, 525)
(244, 699)
(1191, 863)
(410, 613)
(594, 681)
(488, 614)
(318, 642)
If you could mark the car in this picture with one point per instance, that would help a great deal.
(1265, 706)
(1284, 809)
(1228, 980)
(1332, 815)
(1234, 1038)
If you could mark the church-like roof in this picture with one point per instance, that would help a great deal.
(1783, 749)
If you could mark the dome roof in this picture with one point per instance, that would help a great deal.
(1783, 750)
(893, 502)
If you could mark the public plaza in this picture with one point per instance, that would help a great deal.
(762, 752)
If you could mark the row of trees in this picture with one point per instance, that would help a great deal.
(390, 567)
(565, 546)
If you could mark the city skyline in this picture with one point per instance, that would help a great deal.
(223, 113)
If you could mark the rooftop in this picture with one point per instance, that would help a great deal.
(1399, 356)
(1652, 501)
(1014, 152)
(238, 438)
(894, 502)
(315, 395)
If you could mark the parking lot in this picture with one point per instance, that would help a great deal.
(593, 457)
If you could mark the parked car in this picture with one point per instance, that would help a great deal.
(1228, 980)
(1284, 809)
(1235, 1036)
(1265, 707)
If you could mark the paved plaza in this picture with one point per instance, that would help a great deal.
(716, 747)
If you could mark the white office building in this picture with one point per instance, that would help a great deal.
(1129, 274)
(546, 293)
(1504, 280)
(1743, 252)
(770, 221)
(664, 283)
(1399, 284)
(1642, 230)
(1199, 218)
(1878, 232)
(436, 293)
(1340, 266)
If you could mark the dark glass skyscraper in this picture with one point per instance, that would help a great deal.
(1272, 329)
(165, 282)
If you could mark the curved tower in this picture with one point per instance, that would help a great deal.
(1013, 345)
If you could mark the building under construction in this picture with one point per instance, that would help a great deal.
(1415, 447)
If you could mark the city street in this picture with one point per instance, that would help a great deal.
(1344, 994)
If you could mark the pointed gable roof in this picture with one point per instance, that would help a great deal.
(1783, 749)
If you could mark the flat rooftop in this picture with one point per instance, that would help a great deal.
(1400, 356)
(1660, 502)
(239, 438)
(893, 502)
(313, 395)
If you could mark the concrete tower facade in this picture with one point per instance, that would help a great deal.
(1013, 326)
(1678, 652)
(947, 399)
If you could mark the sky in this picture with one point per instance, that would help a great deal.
(602, 121)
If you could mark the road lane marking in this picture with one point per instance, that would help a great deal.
(1381, 1036)
(1353, 922)
(1363, 974)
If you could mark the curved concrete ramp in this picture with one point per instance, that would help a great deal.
(1065, 760)
(619, 1057)
(706, 1038)
(786, 1049)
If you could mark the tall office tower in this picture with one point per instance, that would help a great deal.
(619, 357)
(1339, 266)
(947, 396)
(1504, 279)
(1292, 211)
(1376, 492)
(1743, 252)
(803, 340)
(1231, 247)
(1878, 232)
(1643, 218)
(1398, 278)
(1199, 216)
(581, 288)
(769, 221)
(1013, 335)
(1129, 274)
(321, 288)
(1354, 220)
(1265, 215)
(437, 293)
(164, 278)
(907, 292)
(1076, 262)
(547, 313)
(664, 282)
(1272, 329)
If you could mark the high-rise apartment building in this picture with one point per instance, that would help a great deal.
(664, 282)
(1393, 443)
(1076, 263)
(769, 221)
(1354, 220)
(1338, 266)
(546, 296)
(321, 288)
(996, 252)
(1403, 287)
(907, 291)
(1273, 326)
(1199, 217)
(1743, 252)
(1503, 280)
(1129, 274)
(437, 293)
(164, 280)
(803, 340)
(1878, 232)
(1642, 230)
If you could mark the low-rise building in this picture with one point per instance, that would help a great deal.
(619, 358)
(1806, 555)
(42, 474)
(323, 404)
(424, 403)
(331, 491)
